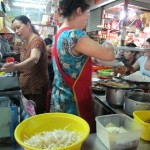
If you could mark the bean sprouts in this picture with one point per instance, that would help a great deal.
(52, 140)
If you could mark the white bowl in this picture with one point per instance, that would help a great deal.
(95, 79)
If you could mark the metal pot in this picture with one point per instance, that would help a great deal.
(136, 100)
(115, 97)
(143, 86)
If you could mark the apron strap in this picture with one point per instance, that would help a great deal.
(70, 81)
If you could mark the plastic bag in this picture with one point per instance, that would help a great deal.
(27, 108)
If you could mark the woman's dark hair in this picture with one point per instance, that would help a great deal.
(25, 20)
(68, 7)
(130, 45)
(148, 40)
(48, 41)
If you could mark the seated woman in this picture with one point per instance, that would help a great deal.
(129, 56)
(143, 63)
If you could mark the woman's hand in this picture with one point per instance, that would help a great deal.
(9, 67)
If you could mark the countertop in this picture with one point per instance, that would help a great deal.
(91, 143)
(94, 143)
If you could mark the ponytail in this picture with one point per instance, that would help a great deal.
(34, 29)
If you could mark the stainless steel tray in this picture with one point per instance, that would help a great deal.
(138, 49)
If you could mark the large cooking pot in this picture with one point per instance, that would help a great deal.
(115, 97)
(115, 94)
(136, 100)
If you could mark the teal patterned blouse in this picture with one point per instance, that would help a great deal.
(62, 99)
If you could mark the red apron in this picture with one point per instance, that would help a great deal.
(80, 86)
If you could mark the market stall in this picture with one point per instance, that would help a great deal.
(109, 92)
(118, 23)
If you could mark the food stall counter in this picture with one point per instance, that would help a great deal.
(93, 142)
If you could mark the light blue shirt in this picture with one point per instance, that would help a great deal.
(142, 61)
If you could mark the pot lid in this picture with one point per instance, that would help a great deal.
(6, 29)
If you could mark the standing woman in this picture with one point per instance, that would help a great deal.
(33, 78)
(72, 62)
(142, 63)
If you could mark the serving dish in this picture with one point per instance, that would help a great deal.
(117, 84)
(139, 84)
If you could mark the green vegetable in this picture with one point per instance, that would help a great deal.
(105, 72)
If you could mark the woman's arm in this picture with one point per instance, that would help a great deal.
(31, 61)
(27, 64)
(136, 65)
(91, 48)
